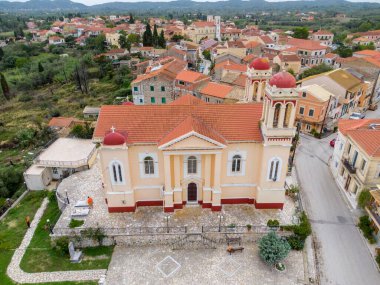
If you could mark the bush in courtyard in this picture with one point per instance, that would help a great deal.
(273, 249)
(365, 227)
(61, 245)
(364, 198)
(273, 223)
(75, 223)
(378, 259)
(296, 242)
(303, 230)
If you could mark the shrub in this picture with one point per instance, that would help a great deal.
(378, 259)
(61, 245)
(296, 242)
(365, 227)
(273, 248)
(364, 198)
(75, 223)
(25, 98)
(303, 230)
(273, 223)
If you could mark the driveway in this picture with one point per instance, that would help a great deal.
(344, 258)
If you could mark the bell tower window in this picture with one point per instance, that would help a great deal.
(276, 115)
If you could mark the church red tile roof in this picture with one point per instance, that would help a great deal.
(152, 123)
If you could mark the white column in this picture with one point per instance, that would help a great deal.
(217, 194)
(168, 193)
(259, 91)
(292, 117)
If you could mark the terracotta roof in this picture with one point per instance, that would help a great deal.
(323, 32)
(216, 90)
(368, 140)
(249, 58)
(236, 44)
(192, 124)
(188, 100)
(266, 39)
(252, 44)
(241, 80)
(61, 122)
(372, 60)
(203, 24)
(190, 76)
(367, 52)
(306, 44)
(288, 57)
(235, 66)
(345, 125)
(331, 55)
(151, 123)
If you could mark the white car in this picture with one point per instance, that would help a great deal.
(357, 116)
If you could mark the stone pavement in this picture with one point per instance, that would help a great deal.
(88, 183)
(162, 265)
(18, 275)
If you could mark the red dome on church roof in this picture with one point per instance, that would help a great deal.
(260, 63)
(114, 138)
(283, 80)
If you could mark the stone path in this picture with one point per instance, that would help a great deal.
(18, 275)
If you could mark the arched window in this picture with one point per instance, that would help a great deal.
(288, 112)
(116, 170)
(148, 165)
(274, 169)
(192, 165)
(276, 115)
(236, 163)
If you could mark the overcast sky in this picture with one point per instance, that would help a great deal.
(92, 2)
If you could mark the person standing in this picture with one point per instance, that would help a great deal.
(27, 220)
(90, 202)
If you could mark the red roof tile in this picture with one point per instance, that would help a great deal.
(368, 140)
(151, 123)
(216, 90)
(190, 76)
(306, 44)
(61, 122)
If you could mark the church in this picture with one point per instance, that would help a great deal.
(190, 152)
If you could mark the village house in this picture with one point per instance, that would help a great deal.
(373, 210)
(198, 31)
(190, 152)
(346, 87)
(156, 86)
(311, 52)
(55, 40)
(288, 61)
(218, 93)
(355, 162)
(314, 109)
(188, 82)
(324, 37)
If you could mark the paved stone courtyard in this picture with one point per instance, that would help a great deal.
(161, 265)
(88, 183)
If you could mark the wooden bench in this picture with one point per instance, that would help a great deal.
(231, 249)
(233, 240)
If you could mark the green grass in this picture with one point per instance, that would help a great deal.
(13, 229)
(75, 223)
(42, 257)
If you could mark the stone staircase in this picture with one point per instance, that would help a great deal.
(193, 241)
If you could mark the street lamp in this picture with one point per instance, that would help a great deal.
(67, 197)
(49, 226)
(220, 222)
(167, 218)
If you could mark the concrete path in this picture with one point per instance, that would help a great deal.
(344, 258)
(18, 275)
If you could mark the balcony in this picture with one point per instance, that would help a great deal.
(373, 212)
(348, 165)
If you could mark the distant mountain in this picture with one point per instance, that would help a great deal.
(182, 6)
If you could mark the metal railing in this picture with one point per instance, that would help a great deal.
(349, 166)
(239, 229)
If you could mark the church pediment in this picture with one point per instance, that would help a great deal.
(191, 141)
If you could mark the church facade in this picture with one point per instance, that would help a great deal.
(193, 152)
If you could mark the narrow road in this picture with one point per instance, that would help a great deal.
(344, 258)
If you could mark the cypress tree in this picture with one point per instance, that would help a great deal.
(155, 36)
(147, 37)
(1, 53)
(161, 40)
(131, 20)
(5, 87)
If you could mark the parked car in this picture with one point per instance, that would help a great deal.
(357, 116)
(372, 107)
(332, 142)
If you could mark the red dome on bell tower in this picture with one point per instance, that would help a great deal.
(260, 63)
(114, 138)
(283, 80)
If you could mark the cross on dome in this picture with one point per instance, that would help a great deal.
(113, 129)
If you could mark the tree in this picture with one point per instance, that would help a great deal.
(301, 33)
(147, 37)
(1, 53)
(40, 67)
(344, 51)
(161, 40)
(155, 36)
(207, 54)
(273, 248)
(177, 38)
(131, 19)
(315, 70)
(134, 38)
(128, 45)
(365, 26)
(364, 198)
(5, 87)
(122, 40)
